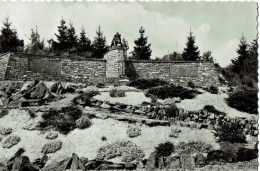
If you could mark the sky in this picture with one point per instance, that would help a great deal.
(217, 26)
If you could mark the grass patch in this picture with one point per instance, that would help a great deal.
(170, 91)
(133, 131)
(117, 93)
(244, 100)
(11, 141)
(122, 148)
(147, 83)
(194, 147)
(83, 122)
(63, 120)
(51, 147)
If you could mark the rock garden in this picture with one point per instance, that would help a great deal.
(144, 124)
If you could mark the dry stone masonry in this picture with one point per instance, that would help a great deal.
(18, 66)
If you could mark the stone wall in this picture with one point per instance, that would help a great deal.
(4, 58)
(178, 72)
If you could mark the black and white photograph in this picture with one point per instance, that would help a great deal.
(128, 85)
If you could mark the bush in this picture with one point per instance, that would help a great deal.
(3, 112)
(147, 83)
(63, 120)
(83, 122)
(32, 114)
(51, 136)
(51, 147)
(191, 84)
(122, 148)
(244, 100)
(213, 89)
(117, 93)
(164, 149)
(84, 99)
(212, 109)
(11, 141)
(5, 131)
(103, 138)
(170, 91)
(194, 147)
(100, 85)
(133, 131)
(230, 132)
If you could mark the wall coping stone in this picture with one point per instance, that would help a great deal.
(25, 55)
(163, 61)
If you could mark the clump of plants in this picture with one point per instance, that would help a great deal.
(174, 132)
(191, 84)
(63, 120)
(103, 138)
(5, 131)
(51, 135)
(100, 85)
(244, 100)
(10, 141)
(3, 112)
(51, 147)
(170, 91)
(143, 83)
(213, 89)
(117, 93)
(85, 99)
(121, 148)
(83, 122)
(133, 131)
(212, 109)
(163, 150)
(230, 132)
(193, 147)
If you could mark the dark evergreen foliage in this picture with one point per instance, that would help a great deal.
(142, 50)
(62, 38)
(9, 41)
(99, 44)
(72, 38)
(84, 44)
(36, 45)
(191, 52)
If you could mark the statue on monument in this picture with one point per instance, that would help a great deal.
(116, 40)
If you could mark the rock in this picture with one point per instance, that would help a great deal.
(187, 119)
(130, 166)
(150, 164)
(40, 162)
(110, 167)
(173, 162)
(5, 131)
(139, 112)
(91, 165)
(187, 161)
(105, 106)
(51, 147)
(11, 141)
(200, 159)
(57, 166)
(161, 163)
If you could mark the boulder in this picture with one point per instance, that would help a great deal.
(91, 165)
(105, 106)
(57, 166)
(200, 159)
(150, 164)
(173, 162)
(187, 161)
(245, 154)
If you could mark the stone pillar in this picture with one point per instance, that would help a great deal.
(115, 65)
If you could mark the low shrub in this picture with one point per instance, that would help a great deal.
(191, 84)
(171, 110)
(100, 85)
(3, 112)
(32, 114)
(244, 100)
(63, 120)
(163, 150)
(10, 141)
(103, 138)
(5, 131)
(133, 131)
(147, 83)
(170, 91)
(230, 132)
(213, 89)
(212, 109)
(122, 148)
(174, 132)
(51, 147)
(83, 122)
(84, 99)
(193, 147)
(51, 136)
(117, 93)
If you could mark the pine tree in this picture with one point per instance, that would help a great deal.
(191, 52)
(62, 37)
(72, 37)
(142, 50)
(99, 44)
(84, 44)
(9, 40)
(207, 56)
(36, 45)
(242, 51)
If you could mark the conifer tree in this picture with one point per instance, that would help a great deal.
(191, 52)
(36, 45)
(9, 40)
(62, 37)
(142, 50)
(99, 44)
(72, 37)
(242, 51)
(84, 44)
